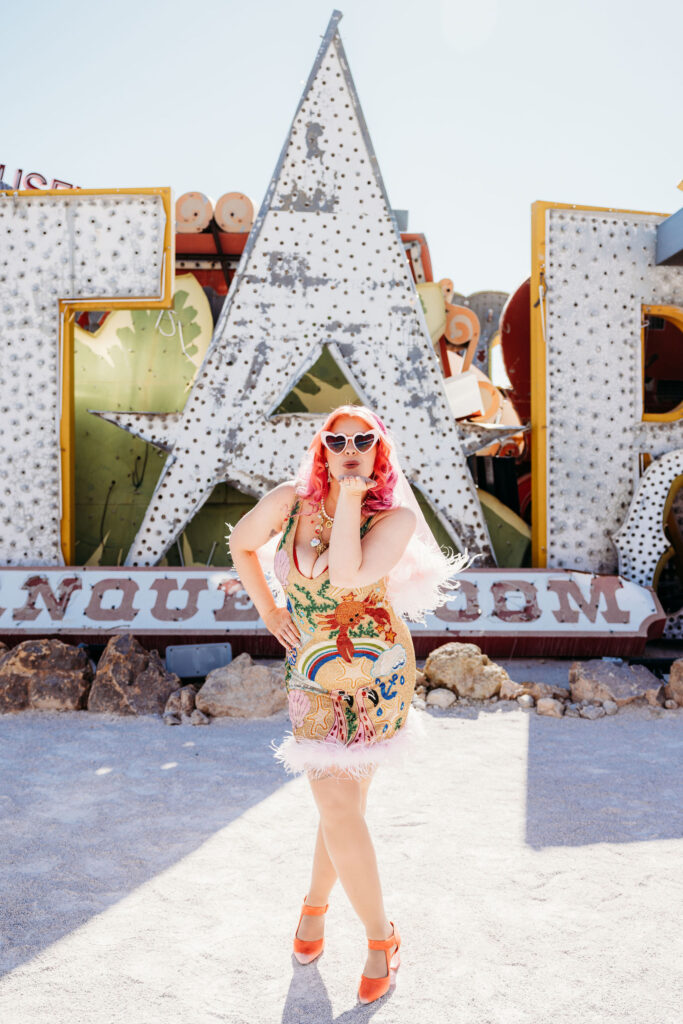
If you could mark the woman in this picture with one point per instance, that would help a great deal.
(354, 554)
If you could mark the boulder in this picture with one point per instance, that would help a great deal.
(131, 680)
(674, 688)
(440, 698)
(550, 706)
(243, 689)
(598, 680)
(525, 700)
(463, 669)
(44, 674)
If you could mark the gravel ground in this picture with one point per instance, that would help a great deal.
(154, 874)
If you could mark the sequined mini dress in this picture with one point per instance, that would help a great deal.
(351, 680)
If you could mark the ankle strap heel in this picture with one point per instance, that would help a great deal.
(372, 988)
(306, 950)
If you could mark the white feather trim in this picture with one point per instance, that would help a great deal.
(357, 760)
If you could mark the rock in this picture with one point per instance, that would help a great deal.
(420, 679)
(277, 671)
(572, 711)
(242, 689)
(597, 679)
(591, 711)
(173, 706)
(440, 698)
(44, 674)
(511, 691)
(670, 704)
(541, 690)
(550, 706)
(171, 719)
(187, 699)
(199, 718)
(131, 680)
(421, 691)
(525, 700)
(463, 669)
(674, 687)
(610, 706)
(418, 702)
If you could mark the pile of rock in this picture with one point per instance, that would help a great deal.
(460, 674)
(49, 675)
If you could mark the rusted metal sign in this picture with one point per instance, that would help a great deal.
(506, 610)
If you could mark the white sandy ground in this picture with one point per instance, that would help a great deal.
(154, 874)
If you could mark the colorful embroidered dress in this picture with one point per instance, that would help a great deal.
(350, 682)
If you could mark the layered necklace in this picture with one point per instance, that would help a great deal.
(324, 522)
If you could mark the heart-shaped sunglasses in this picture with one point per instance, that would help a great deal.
(362, 441)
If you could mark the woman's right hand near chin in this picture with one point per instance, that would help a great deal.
(280, 623)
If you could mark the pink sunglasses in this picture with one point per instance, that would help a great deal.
(336, 443)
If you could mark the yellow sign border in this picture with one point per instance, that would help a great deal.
(67, 309)
(539, 424)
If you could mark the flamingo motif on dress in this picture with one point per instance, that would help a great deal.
(339, 731)
(365, 733)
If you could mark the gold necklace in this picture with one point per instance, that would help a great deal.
(324, 522)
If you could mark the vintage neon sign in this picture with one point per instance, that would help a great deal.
(570, 609)
(33, 180)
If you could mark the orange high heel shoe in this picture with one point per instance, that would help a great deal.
(372, 988)
(306, 950)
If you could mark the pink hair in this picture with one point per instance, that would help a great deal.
(312, 483)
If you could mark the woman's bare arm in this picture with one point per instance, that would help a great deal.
(254, 529)
(355, 563)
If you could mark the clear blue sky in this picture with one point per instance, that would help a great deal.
(476, 108)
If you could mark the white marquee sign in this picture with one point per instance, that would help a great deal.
(489, 604)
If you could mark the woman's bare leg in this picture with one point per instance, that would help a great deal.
(351, 852)
(323, 876)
